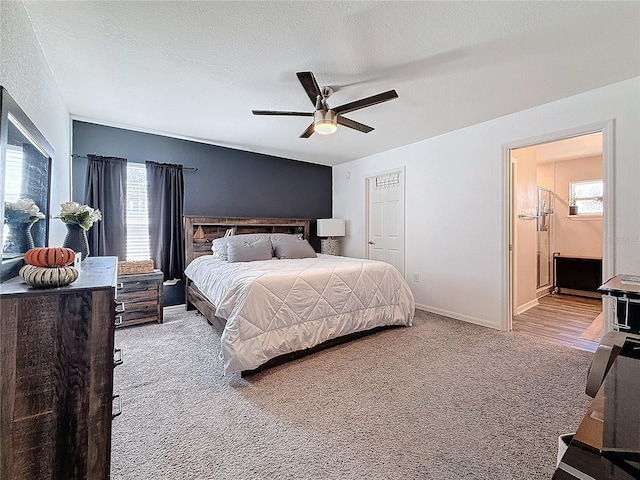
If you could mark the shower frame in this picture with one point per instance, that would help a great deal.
(544, 237)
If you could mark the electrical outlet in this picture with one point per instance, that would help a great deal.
(416, 277)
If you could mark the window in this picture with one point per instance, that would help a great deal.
(13, 171)
(137, 217)
(587, 195)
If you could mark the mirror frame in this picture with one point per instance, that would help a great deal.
(10, 267)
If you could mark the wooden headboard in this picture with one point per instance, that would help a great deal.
(199, 232)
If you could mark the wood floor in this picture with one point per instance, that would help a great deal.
(560, 319)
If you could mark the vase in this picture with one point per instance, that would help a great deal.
(76, 239)
(19, 238)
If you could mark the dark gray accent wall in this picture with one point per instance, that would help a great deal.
(229, 182)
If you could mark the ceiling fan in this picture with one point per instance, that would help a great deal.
(325, 119)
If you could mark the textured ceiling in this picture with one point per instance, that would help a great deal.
(197, 69)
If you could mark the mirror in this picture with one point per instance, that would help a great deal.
(25, 156)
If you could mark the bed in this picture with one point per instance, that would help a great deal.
(271, 310)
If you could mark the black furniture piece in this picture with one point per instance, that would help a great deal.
(607, 442)
(625, 290)
(577, 275)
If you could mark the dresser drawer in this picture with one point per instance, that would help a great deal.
(141, 295)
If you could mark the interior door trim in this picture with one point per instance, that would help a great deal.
(607, 128)
(365, 244)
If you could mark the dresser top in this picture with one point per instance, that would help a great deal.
(95, 273)
(622, 284)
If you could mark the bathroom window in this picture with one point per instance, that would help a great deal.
(587, 196)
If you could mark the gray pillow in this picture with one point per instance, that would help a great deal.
(249, 252)
(293, 249)
(283, 237)
(219, 245)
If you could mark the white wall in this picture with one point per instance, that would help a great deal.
(24, 72)
(457, 192)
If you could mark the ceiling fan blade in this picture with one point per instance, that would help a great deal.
(366, 102)
(275, 112)
(308, 132)
(361, 127)
(310, 85)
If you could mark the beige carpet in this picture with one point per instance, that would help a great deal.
(595, 331)
(440, 400)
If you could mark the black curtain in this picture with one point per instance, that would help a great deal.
(165, 190)
(106, 189)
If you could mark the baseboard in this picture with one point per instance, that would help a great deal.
(458, 316)
(579, 293)
(544, 291)
(174, 308)
(523, 308)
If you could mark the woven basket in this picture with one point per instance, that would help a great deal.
(133, 267)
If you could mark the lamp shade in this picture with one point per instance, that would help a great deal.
(331, 227)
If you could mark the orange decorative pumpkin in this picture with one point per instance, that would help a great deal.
(50, 257)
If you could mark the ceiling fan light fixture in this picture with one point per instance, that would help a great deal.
(325, 119)
(325, 122)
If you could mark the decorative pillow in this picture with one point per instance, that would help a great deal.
(283, 237)
(293, 249)
(249, 252)
(220, 245)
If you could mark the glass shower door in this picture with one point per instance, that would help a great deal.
(544, 260)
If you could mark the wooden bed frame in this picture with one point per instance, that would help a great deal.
(201, 231)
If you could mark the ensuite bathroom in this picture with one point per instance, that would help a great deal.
(558, 240)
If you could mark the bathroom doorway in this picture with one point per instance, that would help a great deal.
(549, 180)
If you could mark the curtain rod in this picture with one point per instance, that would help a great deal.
(193, 169)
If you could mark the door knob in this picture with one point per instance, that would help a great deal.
(371, 243)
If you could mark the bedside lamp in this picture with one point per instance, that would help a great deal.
(330, 227)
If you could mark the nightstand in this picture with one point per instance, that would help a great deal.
(141, 294)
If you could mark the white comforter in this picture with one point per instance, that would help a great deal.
(274, 307)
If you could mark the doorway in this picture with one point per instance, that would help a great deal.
(543, 176)
(385, 218)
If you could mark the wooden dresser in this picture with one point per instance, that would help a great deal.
(141, 294)
(56, 371)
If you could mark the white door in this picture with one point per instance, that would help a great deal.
(386, 219)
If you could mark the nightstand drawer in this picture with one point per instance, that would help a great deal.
(139, 295)
(142, 297)
(137, 286)
(135, 304)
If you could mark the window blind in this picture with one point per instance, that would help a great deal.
(12, 180)
(137, 213)
(588, 196)
(13, 173)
